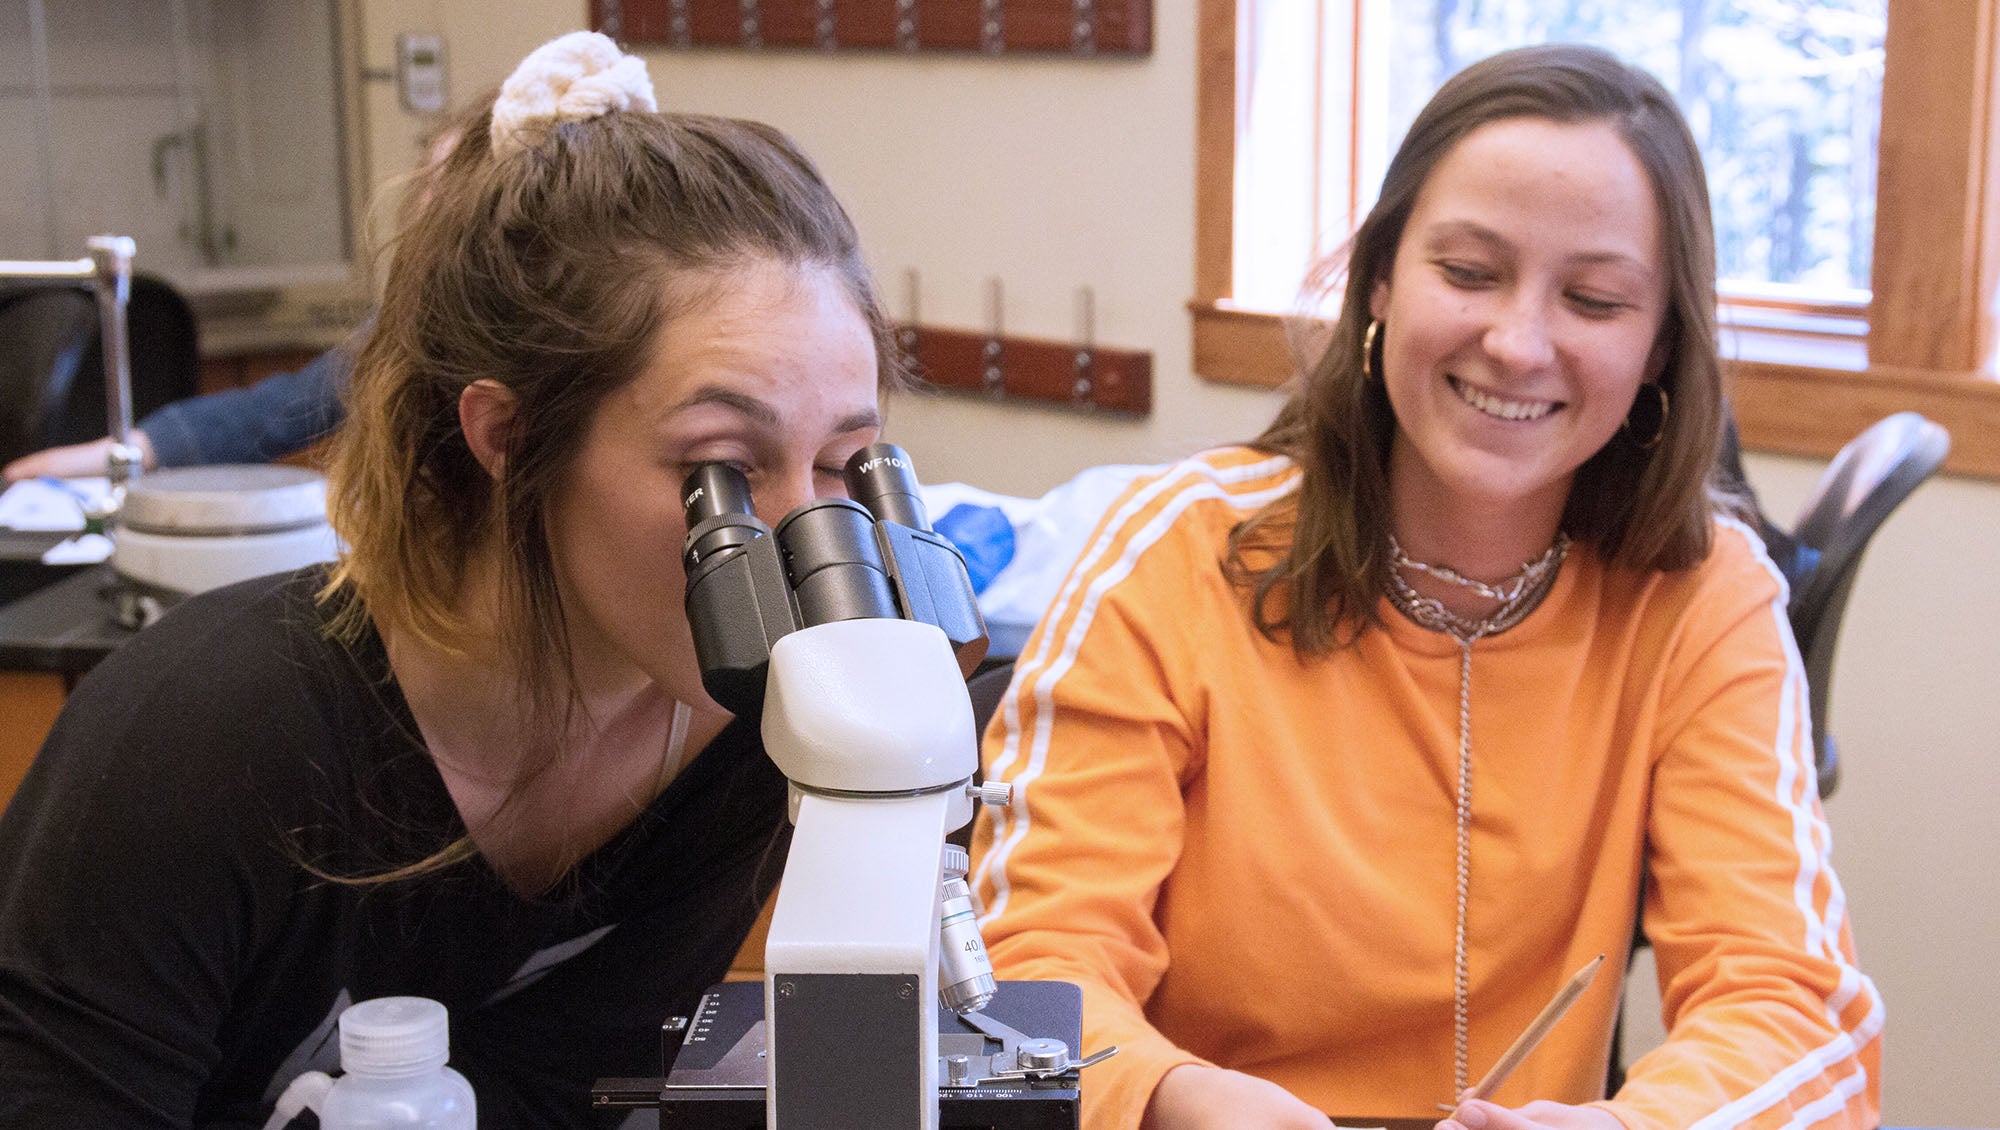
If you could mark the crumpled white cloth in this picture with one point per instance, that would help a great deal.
(571, 78)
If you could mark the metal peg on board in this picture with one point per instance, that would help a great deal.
(751, 21)
(1083, 27)
(906, 25)
(992, 27)
(680, 29)
(906, 338)
(824, 31)
(993, 374)
(1085, 361)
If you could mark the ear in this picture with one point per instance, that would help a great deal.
(1656, 361)
(486, 416)
(1378, 299)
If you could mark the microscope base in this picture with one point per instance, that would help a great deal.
(717, 1077)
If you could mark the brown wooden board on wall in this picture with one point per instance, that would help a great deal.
(1093, 379)
(1069, 27)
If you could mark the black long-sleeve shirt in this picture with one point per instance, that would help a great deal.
(169, 958)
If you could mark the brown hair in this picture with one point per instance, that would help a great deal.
(1316, 563)
(545, 270)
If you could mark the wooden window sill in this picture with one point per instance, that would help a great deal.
(1784, 406)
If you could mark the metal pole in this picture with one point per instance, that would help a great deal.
(107, 270)
(48, 270)
(111, 256)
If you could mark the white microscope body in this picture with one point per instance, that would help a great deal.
(852, 627)
(870, 722)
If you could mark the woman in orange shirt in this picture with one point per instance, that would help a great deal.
(1339, 751)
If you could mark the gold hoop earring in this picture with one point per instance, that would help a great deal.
(1368, 348)
(1659, 430)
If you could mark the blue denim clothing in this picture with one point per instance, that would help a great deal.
(278, 415)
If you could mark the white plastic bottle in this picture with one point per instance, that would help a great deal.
(393, 1074)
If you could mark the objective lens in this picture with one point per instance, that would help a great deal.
(965, 973)
(882, 478)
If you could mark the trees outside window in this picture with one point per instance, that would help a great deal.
(1784, 97)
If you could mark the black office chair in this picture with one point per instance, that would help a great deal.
(1870, 477)
(1820, 555)
(45, 335)
(166, 362)
(987, 686)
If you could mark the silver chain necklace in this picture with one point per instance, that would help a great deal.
(1529, 576)
(1519, 595)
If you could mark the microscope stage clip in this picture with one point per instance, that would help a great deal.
(1021, 1056)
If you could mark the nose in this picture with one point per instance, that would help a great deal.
(780, 494)
(1519, 336)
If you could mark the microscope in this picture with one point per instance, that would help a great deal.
(851, 627)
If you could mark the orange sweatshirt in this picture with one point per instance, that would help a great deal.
(1248, 861)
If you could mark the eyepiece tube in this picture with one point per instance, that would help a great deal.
(738, 603)
(717, 500)
(882, 478)
(715, 488)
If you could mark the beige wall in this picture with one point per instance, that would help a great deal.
(1053, 174)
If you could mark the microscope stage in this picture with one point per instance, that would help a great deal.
(717, 1078)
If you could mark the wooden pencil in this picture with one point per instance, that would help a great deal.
(1536, 1029)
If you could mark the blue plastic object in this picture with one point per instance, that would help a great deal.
(983, 535)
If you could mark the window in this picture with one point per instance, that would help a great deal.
(1866, 292)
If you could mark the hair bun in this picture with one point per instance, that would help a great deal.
(572, 78)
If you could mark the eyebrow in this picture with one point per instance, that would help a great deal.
(1484, 234)
(761, 412)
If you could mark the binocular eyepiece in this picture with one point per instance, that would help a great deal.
(823, 533)
(722, 513)
(831, 559)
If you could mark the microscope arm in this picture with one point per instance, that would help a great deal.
(869, 720)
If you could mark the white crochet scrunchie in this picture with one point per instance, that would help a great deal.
(572, 78)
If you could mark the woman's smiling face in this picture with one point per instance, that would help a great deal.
(1521, 315)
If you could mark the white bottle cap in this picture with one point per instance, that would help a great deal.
(391, 1036)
